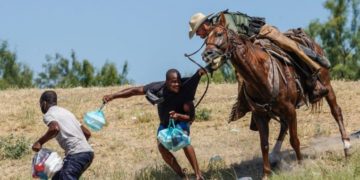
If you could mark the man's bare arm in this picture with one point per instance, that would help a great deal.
(86, 132)
(125, 93)
(52, 131)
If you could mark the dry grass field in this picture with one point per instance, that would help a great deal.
(126, 147)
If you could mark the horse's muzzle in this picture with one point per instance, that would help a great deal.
(210, 54)
(213, 57)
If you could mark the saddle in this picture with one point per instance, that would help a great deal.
(307, 44)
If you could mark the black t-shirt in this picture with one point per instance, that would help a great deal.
(173, 101)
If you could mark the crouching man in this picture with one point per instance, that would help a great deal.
(69, 133)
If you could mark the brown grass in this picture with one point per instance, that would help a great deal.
(126, 147)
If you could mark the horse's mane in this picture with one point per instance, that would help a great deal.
(252, 51)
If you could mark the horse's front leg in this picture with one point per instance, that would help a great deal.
(336, 113)
(262, 123)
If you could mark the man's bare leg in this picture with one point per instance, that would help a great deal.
(171, 161)
(190, 154)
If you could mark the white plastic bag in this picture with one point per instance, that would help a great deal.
(45, 164)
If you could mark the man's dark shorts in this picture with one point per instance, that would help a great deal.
(74, 166)
(185, 126)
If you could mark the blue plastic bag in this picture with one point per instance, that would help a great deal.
(95, 120)
(173, 138)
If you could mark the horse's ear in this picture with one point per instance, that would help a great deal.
(222, 20)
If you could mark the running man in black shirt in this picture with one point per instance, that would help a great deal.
(174, 98)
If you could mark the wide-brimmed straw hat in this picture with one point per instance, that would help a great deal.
(195, 22)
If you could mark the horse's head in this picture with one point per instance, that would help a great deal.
(218, 45)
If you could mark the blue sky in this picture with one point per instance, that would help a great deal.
(151, 35)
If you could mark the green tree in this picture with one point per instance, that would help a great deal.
(55, 69)
(13, 73)
(74, 73)
(108, 75)
(124, 73)
(87, 76)
(62, 72)
(340, 37)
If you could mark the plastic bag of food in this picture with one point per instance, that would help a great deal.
(45, 164)
(173, 138)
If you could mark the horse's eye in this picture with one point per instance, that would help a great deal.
(219, 34)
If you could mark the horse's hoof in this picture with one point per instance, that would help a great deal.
(347, 152)
(347, 147)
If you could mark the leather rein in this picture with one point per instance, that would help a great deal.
(207, 76)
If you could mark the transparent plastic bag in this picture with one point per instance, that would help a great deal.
(95, 120)
(45, 164)
(173, 138)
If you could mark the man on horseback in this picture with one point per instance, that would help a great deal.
(255, 28)
(272, 85)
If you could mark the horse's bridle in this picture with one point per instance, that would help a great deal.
(208, 56)
(226, 55)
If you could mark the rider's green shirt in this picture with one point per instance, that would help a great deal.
(240, 22)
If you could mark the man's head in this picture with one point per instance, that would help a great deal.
(47, 99)
(199, 25)
(173, 80)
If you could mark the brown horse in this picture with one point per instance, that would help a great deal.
(271, 93)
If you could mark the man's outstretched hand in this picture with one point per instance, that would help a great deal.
(108, 98)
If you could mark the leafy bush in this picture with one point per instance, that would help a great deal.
(203, 114)
(13, 147)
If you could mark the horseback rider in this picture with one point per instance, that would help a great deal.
(256, 27)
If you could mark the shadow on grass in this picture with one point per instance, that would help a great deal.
(220, 171)
(158, 172)
(215, 170)
(253, 168)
